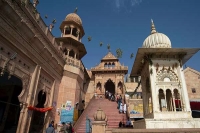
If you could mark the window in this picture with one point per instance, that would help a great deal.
(193, 90)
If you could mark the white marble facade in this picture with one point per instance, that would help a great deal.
(164, 91)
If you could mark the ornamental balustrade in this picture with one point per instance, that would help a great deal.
(110, 68)
(74, 62)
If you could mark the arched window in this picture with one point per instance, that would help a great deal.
(105, 65)
(113, 65)
(166, 79)
(98, 88)
(162, 101)
(74, 32)
(71, 53)
(109, 65)
(67, 30)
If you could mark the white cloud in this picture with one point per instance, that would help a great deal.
(124, 5)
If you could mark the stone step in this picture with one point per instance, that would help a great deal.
(110, 109)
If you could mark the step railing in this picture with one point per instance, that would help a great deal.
(82, 115)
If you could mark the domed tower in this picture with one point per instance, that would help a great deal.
(164, 92)
(70, 40)
(71, 86)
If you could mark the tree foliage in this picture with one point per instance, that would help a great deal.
(119, 53)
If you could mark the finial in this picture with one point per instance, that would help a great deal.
(75, 11)
(153, 29)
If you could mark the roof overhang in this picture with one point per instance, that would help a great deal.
(188, 53)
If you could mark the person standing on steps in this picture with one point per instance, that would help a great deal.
(124, 108)
(121, 108)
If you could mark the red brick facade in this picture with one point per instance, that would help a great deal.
(192, 78)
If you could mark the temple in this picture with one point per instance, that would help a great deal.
(43, 79)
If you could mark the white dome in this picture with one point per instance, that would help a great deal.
(157, 40)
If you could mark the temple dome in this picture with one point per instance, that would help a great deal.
(73, 17)
(156, 40)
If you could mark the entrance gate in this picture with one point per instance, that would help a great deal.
(10, 88)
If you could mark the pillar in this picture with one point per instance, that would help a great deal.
(67, 52)
(32, 89)
(98, 126)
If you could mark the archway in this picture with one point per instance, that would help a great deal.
(10, 88)
(120, 88)
(38, 117)
(98, 88)
(110, 86)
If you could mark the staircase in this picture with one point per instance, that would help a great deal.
(110, 109)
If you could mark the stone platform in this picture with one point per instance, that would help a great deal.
(167, 123)
(180, 130)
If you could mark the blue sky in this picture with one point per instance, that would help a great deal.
(126, 23)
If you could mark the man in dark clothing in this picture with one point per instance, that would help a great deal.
(120, 124)
(70, 128)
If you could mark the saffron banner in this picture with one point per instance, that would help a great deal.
(40, 109)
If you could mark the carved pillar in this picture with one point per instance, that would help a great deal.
(102, 85)
(71, 30)
(173, 96)
(165, 99)
(25, 124)
(78, 34)
(116, 88)
(75, 56)
(68, 52)
(21, 97)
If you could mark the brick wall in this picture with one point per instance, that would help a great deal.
(192, 78)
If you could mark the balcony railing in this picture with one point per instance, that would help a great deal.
(74, 62)
(110, 68)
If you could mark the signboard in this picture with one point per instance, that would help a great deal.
(67, 112)
(136, 111)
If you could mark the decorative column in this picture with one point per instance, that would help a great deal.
(68, 52)
(100, 122)
(32, 89)
(23, 105)
(184, 93)
(116, 88)
(72, 27)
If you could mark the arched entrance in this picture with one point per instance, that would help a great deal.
(10, 88)
(98, 88)
(110, 86)
(38, 117)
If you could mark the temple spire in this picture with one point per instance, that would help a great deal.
(153, 29)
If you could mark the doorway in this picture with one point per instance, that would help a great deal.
(10, 88)
(37, 123)
(110, 86)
